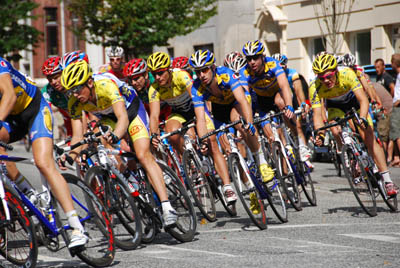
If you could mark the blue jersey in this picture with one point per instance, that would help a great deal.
(227, 82)
(266, 84)
(24, 87)
(292, 75)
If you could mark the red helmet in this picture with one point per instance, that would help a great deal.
(73, 56)
(180, 62)
(135, 67)
(51, 66)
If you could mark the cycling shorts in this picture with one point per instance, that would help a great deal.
(180, 116)
(36, 120)
(336, 112)
(222, 112)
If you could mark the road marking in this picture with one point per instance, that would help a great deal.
(198, 251)
(387, 237)
(253, 228)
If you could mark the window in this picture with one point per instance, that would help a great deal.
(396, 39)
(51, 31)
(75, 39)
(204, 47)
(318, 45)
(363, 48)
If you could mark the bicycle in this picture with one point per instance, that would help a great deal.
(359, 167)
(112, 188)
(248, 183)
(201, 180)
(16, 210)
(289, 169)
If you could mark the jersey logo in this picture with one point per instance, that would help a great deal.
(3, 63)
(235, 76)
(135, 130)
(48, 122)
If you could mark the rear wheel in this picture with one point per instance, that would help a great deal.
(18, 242)
(359, 183)
(199, 187)
(307, 184)
(276, 200)
(250, 198)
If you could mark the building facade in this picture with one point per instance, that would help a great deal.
(292, 27)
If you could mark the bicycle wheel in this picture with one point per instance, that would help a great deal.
(276, 200)
(18, 242)
(185, 227)
(286, 177)
(199, 187)
(100, 249)
(250, 198)
(122, 209)
(308, 184)
(216, 188)
(334, 157)
(390, 201)
(359, 183)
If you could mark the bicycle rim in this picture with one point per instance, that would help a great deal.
(250, 198)
(100, 249)
(287, 178)
(199, 187)
(185, 227)
(308, 184)
(276, 200)
(359, 183)
(18, 242)
(122, 210)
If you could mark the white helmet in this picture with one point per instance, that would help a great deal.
(115, 51)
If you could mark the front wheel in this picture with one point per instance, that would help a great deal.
(250, 197)
(199, 186)
(359, 182)
(185, 227)
(308, 184)
(18, 242)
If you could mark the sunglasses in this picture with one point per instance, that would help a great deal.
(254, 57)
(159, 72)
(135, 78)
(327, 76)
(204, 70)
(75, 90)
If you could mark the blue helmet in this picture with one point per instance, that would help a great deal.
(281, 58)
(201, 59)
(253, 48)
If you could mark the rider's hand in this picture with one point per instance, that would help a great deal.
(250, 129)
(319, 139)
(363, 122)
(204, 147)
(306, 109)
(112, 138)
(289, 111)
(61, 161)
(155, 140)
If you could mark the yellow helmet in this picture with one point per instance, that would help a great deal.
(158, 60)
(75, 74)
(323, 63)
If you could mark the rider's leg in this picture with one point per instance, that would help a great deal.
(176, 141)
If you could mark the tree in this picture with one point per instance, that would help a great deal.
(138, 25)
(15, 34)
(333, 13)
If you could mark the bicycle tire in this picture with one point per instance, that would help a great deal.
(390, 201)
(307, 184)
(199, 187)
(125, 214)
(18, 241)
(186, 224)
(362, 190)
(100, 249)
(288, 181)
(235, 170)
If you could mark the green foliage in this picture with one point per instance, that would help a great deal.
(13, 35)
(138, 25)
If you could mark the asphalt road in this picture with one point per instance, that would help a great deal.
(335, 233)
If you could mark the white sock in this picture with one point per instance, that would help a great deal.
(259, 156)
(166, 206)
(74, 221)
(301, 142)
(386, 176)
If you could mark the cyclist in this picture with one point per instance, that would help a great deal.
(266, 78)
(298, 98)
(52, 92)
(183, 64)
(172, 86)
(100, 95)
(340, 89)
(140, 79)
(23, 110)
(116, 65)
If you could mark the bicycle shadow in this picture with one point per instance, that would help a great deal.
(356, 212)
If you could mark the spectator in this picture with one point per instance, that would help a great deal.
(383, 77)
(395, 117)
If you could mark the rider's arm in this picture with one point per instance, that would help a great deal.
(364, 103)
(154, 115)
(77, 136)
(368, 89)
(285, 88)
(122, 119)
(298, 90)
(318, 118)
(8, 97)
(201, 125)
(244, 104)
